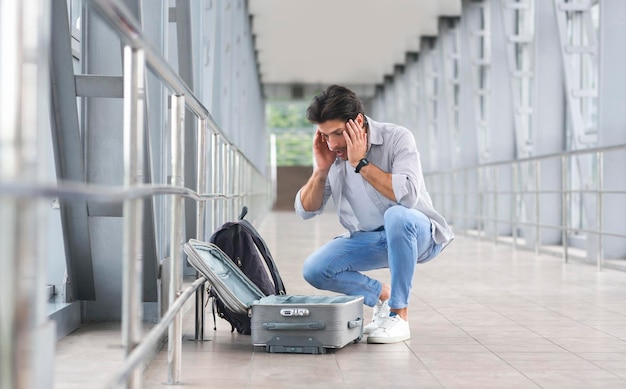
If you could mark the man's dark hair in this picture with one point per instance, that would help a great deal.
(335, 103)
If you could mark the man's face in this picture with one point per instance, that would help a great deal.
(332, 132)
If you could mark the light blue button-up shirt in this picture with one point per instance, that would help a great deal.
(392, 148)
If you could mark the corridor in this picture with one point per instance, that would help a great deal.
(482, 316)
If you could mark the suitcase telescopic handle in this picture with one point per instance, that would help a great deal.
(315, 325)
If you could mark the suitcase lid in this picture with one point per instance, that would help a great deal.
(233, 287)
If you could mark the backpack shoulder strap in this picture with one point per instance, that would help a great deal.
(265, 252)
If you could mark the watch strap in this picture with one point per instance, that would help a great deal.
(362, 162)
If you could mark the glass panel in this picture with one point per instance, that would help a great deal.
(76, 18)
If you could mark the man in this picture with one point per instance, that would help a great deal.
(373, 173)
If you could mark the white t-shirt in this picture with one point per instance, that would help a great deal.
(368, 215)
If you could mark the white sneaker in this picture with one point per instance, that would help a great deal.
(381, 310)
(392, 329)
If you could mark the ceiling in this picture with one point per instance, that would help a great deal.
(352, 42)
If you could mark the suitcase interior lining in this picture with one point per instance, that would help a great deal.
(217, 267)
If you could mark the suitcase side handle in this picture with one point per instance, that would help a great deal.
(355, 323)
(315, 325)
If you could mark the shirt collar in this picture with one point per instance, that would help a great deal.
(374, 136)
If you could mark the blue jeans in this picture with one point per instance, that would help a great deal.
(405, 241)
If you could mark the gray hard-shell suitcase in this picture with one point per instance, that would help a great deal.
(306, 324)
(286, 323)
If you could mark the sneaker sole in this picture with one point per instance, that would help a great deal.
(388, 339)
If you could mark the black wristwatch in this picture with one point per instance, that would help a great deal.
(362, 162)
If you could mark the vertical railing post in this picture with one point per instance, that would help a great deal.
(246, 176)
(26, 333)
(174, 346)
(226, 210)
(482, 187)
(515, 202)
(565, 199)
(12, 325)
(236, 176)
(232, 180)
(201, 178)
(214, 182)
(600, 172)
(466, 216)
(201, 218)
(273, 168)
(455, 194)
(132, 312)
(495, 204)
(537, 208)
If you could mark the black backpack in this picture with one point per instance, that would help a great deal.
(245, 247)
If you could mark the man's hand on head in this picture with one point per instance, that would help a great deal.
(324, 157)
(356, 142)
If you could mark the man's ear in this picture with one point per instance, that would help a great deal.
(360, 120)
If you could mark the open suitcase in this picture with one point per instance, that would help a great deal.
(285, 323)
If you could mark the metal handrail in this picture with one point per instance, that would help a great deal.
(108, 193)
(143, 350)
(515, 193)
(139, 53)
(568, 153)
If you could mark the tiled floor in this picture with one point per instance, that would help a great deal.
(482, 316)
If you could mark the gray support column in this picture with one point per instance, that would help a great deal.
(502, 129)
(104, 144)
(185, 70)
(378, 106)
(516, 22)
(103, 141)
(412, 84)
(214, 85)
(390, 100)
(612, 121)
(400, 86)
(153, 21)
(102, 131)
(429, 82)
(235, 78)
(579, 48)
(470, 149)
(225, 57)
(68, 156)
(549, 120)
(444, 126)
(447, 139)
(450, 58)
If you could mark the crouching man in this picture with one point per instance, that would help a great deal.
(373, 172)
